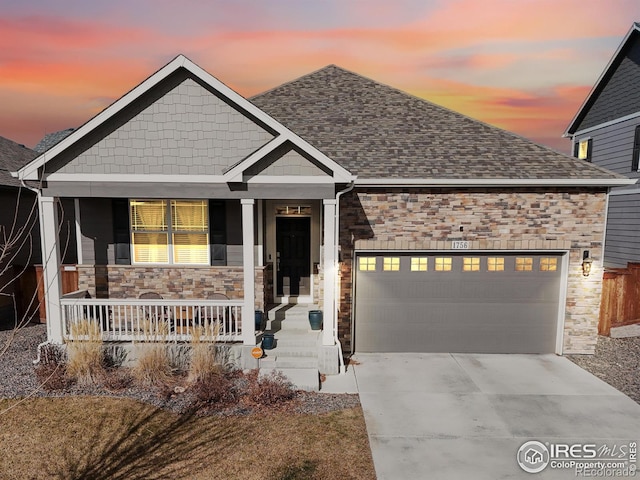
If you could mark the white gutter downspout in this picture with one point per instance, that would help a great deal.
(336, 260)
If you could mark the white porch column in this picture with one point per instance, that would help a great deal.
(51, 266)
(76, 206)
(330, 326)
(248, 265)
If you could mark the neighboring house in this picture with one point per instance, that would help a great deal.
(606, 132)
(19, 234)
(50, 139)
(412, 227)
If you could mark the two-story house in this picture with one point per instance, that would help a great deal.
(606, 132)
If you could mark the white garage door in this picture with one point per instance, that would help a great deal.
(445, 302)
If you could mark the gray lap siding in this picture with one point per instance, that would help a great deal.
(613, 146)
(622, 244)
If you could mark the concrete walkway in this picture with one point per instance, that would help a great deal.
(458, 416)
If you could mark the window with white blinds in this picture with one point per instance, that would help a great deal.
(170, 232)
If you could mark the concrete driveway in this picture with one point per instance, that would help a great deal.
(459, 416)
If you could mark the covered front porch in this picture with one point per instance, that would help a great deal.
(275, 253)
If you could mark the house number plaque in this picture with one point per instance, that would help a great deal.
(460, 245)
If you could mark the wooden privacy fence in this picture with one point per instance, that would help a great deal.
(620, 303)
(69, 274)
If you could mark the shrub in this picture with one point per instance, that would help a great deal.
(51, 370)
(116, 378)
(216, 389)
(113, 356)
(84, 351)
(269, 389)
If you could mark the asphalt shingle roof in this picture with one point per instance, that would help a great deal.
(376, 131)
(12, 157)
(50, 139)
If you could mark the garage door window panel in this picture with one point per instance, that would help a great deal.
(548, 264)
(443, 264)
(471, 264)
(391, 264)
(367, 264)
(495, 264)
(419, 264)
(524, 264)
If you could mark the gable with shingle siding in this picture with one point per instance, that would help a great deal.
(189, 130)
(376, 131)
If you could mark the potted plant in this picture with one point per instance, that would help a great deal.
(315, 319)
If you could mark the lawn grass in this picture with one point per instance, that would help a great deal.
(107, 438)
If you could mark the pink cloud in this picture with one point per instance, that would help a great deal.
(58, 72)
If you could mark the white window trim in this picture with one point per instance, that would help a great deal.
(169, 232)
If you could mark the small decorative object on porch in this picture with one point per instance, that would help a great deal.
(258, 320)
(268, 341)
(256, 352)
(315, 319)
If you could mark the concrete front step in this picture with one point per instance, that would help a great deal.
(285, 361)
(289, 324)
(289, 317)
(290, 311)
(307, 379)
(296, 339)
(292, 351)
(296, 345)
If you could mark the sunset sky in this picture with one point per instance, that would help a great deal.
(522, 65)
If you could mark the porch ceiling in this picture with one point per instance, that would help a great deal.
(126, 188)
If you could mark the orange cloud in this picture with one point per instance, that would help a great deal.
(58, 72)
(542, 117)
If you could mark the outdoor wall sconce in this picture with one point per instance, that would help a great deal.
(586, 263)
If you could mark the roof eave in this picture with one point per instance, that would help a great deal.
(494, 182)
(596, 87)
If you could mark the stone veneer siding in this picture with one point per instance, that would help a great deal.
(517, 219)
(174, 282)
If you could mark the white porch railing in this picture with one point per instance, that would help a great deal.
(154, 319)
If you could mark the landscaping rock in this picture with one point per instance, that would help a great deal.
(625, 331)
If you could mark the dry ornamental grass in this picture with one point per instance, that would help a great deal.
(152, 366)
(203, 362)
(85, 352)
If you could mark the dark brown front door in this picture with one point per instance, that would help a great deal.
(293, 243)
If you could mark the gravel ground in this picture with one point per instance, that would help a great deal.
(17, 380)
(616, 361)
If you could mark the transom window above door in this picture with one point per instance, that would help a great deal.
(170, 231)
(293, 210)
